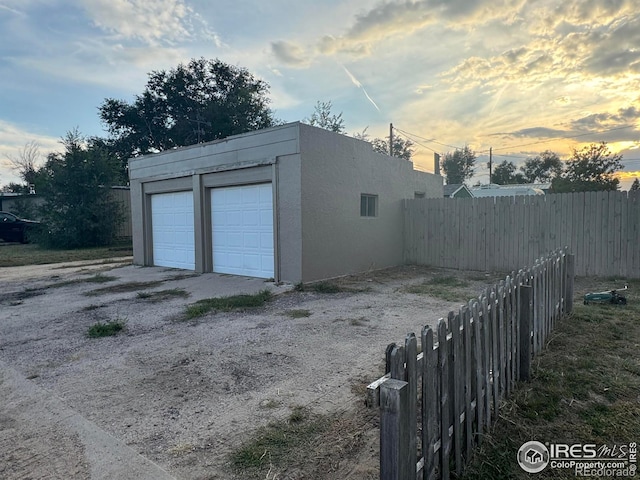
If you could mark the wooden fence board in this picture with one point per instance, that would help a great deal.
(634, 224)
(591, 213)
(480, 369)
(456, 344)
(411, 376)
(502, 206)
(490, 238)
(501, 234)
(482, 209)
(601, 259)
(397, 363)
(445, 417)
(468, 369)
(631, 237)
(616, 232)
(564, 217)
(430, 405)
(545, 217)
(511, 315)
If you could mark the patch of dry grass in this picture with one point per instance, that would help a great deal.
(297, 313)
(310, 445)
(32, 254)
(162, 295)
(123, 288)
(584, 388)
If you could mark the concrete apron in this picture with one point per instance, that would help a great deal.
(35, 408)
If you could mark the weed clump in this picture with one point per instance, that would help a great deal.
(227, 304)
(108, 329)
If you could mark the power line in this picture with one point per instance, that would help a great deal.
(429, 140)
(404, 134)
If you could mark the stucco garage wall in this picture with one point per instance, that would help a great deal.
(256, 157)
(336, 170)
(289, 218)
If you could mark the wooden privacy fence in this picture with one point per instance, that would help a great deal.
(501, 234)
(435, 406)
(122, 195)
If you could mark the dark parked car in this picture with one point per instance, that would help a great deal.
(15, 229)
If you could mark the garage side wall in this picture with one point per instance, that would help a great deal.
(288, 218)
(336, 171)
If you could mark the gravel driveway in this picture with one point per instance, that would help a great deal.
(169, 398)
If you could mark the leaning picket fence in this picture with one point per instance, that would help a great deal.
(436, 405)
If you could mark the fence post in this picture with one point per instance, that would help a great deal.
(394, 431)
(571, 265)
(526, 298)
(411, 376)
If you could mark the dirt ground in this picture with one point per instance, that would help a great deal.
(181, 395)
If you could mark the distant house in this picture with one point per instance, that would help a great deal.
(457, 190)
(493, 190)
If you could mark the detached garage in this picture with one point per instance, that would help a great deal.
(293, 203)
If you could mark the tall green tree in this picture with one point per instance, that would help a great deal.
(635, 185)
(402, 148)
(458, 166)
(80, 210)
(590, 169)
(200, 101)
(505, 174)
(322, 117)
(542, 168)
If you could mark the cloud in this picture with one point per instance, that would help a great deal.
(151, 21)
(12, 140)
(601, 121)
(290, 54)
(377, 24)
(537, 132)
(621, 128)
(403, 18)
(99, 62)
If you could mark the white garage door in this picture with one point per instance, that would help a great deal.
(242, 227)
(172, 230)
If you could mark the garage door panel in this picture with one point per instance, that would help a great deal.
(233, 241)
(266, 242)
(172, 230)
(250, 218)
(251, 240)
(242, 230)
(266, 218)
(219, 218)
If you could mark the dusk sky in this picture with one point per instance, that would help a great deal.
(518, 76)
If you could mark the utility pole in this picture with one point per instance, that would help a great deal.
(391, 139)
(199, 131)
(490, 163)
